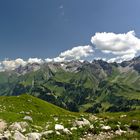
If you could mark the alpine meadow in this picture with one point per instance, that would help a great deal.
(69, 70)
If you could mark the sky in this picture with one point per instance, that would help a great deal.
(58, 30)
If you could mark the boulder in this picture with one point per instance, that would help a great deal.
(56, 118)
(28, 118)
(7, 134)
(20, 126)
(67, 131)
(120, 132)
(18, 136)
(92, 118)
(82, 122)
(106, 127)
(123, 116)
(33, 136)
(73, 128)
(37, 127)
(91, 126)
(59, 127)
(15, 126)
(3, 125)
(46, 133)
(58, 133)
(47, 126)
(3, 138)
(24, 124)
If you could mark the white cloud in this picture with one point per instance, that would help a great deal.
(35, 60)
(75, 53)
(119, 59)
(124, 46)
(100, 58)
(1, 67)
(12, 64)
(56, 59)
(48, 60)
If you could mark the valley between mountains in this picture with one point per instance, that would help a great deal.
(78, 86)
(71, 100)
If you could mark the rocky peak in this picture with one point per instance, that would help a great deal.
(135, 63)
(27, 68)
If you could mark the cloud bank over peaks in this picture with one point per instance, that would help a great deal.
(35, 60)
(13, 64)
(123, 46)
(76, 53)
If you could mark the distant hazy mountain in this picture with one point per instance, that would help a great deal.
(78, 86)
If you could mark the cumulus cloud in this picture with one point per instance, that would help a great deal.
(119, 59)
(100, 58)
(35, 60)
(125, 46)
(122, 47)
(1, 67)
(75, 53)
(12, 64)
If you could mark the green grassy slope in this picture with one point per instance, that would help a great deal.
(94, 87)
(14, 108)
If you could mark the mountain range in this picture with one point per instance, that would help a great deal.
(96, 86)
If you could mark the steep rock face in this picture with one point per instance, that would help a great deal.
(78, 86)
(28, 68)
(135, 63)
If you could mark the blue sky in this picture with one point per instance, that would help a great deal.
(45, 28)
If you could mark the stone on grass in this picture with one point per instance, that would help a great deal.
(20, 126)
(3, 138)
(18, 136)
(46, 133)
(7, 134)
(58, 133)
(24, 124)
(67, 131)
(91, 126)
(92, 118)
(73, 128)
(33, 136)
(82, 122)
(47, 126)
(59, 127)
(120, 132)
(28, 118)
(15, 126)
(123, 116)
(3, 125)
(106, 127)
(56, 118)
